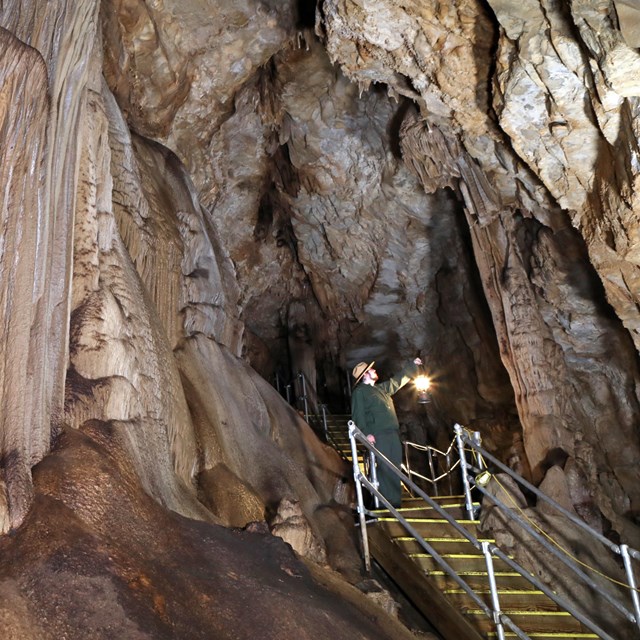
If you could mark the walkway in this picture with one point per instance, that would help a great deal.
(433, 591)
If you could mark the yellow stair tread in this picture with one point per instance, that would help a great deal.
(409, 538)
(439, 572)
(426, 505)
(529, 608)
(513, 592)
(523, 612)
(422, 505)
(446, 555)
(423, 520)
(576, 635)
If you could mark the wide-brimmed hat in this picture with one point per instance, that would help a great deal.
(360, 369)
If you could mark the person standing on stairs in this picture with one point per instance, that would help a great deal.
(374, 414)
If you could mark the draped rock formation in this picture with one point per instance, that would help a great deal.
(199, 194)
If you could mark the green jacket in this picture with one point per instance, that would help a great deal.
(372, 406)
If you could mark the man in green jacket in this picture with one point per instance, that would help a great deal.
(374, 414)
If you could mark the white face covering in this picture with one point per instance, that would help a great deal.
(369, 377)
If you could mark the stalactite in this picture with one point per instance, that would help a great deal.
(27, 381)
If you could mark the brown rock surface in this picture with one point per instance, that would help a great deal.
(229, 497)
(97, 558)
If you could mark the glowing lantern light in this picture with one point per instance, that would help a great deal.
(422, 384)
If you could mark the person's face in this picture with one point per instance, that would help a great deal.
(373, 374)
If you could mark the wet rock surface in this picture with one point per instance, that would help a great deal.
(98, 558)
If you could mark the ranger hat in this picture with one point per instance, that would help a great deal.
(360, 369)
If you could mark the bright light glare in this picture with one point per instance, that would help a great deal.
(422, 383)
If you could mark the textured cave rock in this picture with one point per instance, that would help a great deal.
(26, 327)
(39, 173)
(176, 68)
(108, 561)
(587, 119)
(627, 14)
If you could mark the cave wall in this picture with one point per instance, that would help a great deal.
(123, 302)
(41, 111)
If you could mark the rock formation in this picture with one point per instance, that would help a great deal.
(197, 194)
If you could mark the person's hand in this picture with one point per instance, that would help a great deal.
(418, 361)
(371, 438)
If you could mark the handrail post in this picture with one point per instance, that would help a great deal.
(433, 472)
(361, 510)
(374, 477)
(303, 378)
(468, 503)
(325, 427)
(495, 602)
(407, 462)
(278, 382)
(477, 440)
(288, 390)
(626, 559)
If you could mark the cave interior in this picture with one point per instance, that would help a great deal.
(206, 202)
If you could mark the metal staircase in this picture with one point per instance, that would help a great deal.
(463, 584)
(440, 598)
(336, 432)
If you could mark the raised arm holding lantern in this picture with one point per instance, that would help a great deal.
(373, 411)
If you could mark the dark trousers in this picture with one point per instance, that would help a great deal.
(388, 442)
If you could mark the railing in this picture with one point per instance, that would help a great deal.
(322, 417)
(438, 461)
(488, 550)
(298, 392)
(626, 553)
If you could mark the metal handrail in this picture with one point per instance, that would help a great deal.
(361, 479)
(428, 447)
(289, 386)
(431, 451)
(320, 422)
(577, 521)
(622, 550)
(434, 480)
(489, 550)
